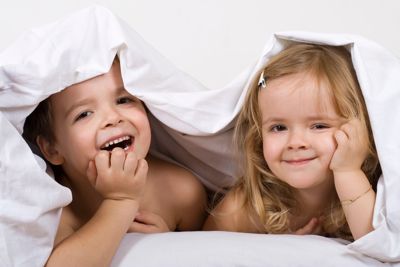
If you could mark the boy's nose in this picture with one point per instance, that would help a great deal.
(112, 118)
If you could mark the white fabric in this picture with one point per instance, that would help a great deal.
(191, 125)
(205, 249)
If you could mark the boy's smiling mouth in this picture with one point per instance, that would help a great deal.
(123, 142)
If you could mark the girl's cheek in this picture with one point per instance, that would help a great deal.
(271, 149)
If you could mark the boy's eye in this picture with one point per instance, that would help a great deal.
(83, 115)
(319, 126)
(125, 100)
(278, 128)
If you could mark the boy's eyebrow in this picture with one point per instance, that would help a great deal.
(77, 104)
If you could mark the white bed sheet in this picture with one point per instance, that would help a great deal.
(182, 249)
(191, 125)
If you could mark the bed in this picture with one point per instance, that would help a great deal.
(191, 125)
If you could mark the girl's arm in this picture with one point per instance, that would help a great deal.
(352, 185)
(95, 243)
(230, 215)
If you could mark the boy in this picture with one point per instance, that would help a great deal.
(98, 135)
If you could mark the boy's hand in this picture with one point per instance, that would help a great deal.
(148, 222)
(351, 148)
(117, 175)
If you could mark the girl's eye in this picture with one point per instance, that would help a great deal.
(83, 115)
(278, 128)
(319, 126)
(125, 100)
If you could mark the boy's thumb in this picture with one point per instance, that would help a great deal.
(91, 173)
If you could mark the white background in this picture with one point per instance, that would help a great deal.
(214, 40)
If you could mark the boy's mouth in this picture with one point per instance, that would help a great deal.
(123, 142)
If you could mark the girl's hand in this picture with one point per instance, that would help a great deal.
(312, 227)
(351, 149)
(148, 222)
(117, 175)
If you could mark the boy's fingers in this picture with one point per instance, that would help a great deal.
(102, 161)
(138, 227)
(131, 162)
(117, 158)
(150, 218)
(142, 168)
(91, 173)
(147, 217)
(148, 222)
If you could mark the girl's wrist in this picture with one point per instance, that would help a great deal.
(346, 171)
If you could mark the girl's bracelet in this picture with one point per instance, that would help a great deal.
(350, 201)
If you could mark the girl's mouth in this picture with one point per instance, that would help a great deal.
(123, 142)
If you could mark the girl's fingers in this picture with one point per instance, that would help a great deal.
(309, 228)
(340, 137)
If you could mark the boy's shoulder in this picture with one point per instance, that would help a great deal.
(174, 179)
(159, 168)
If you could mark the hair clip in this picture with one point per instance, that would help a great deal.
(261, 81)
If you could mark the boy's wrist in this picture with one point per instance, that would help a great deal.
(123, 203)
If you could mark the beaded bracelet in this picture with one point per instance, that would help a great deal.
(349, 201)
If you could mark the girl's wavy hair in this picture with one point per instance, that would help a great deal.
(267, 197)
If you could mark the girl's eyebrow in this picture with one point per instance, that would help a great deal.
(272, 119)
(322, 117)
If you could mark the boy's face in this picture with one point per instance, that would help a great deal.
(97, 114)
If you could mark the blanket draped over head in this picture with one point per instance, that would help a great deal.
(191, 124)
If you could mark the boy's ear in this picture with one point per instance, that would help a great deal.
(49, 151)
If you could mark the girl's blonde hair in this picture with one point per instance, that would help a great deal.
(267, 197)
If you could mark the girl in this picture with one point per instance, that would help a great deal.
(310, 160)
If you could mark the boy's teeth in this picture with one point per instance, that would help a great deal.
(116, 141)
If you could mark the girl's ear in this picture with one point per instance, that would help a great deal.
(49, 151)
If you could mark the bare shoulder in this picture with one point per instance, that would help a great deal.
(231, 214)
(67, 226)
(175, 178)
(182, 190)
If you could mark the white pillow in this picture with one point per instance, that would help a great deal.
(229, 249)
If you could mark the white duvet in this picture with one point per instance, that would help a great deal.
(191, 125)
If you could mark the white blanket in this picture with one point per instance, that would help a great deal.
(191, 125)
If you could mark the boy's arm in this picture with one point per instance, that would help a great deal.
(352, 185)
(190, 202)
(95, 243)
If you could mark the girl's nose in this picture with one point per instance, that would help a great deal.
(297, 140)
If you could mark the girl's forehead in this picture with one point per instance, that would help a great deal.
(297, 91)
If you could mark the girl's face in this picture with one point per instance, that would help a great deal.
(298, 122)
(97, 114)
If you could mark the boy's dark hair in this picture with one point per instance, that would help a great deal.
(40, 123)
